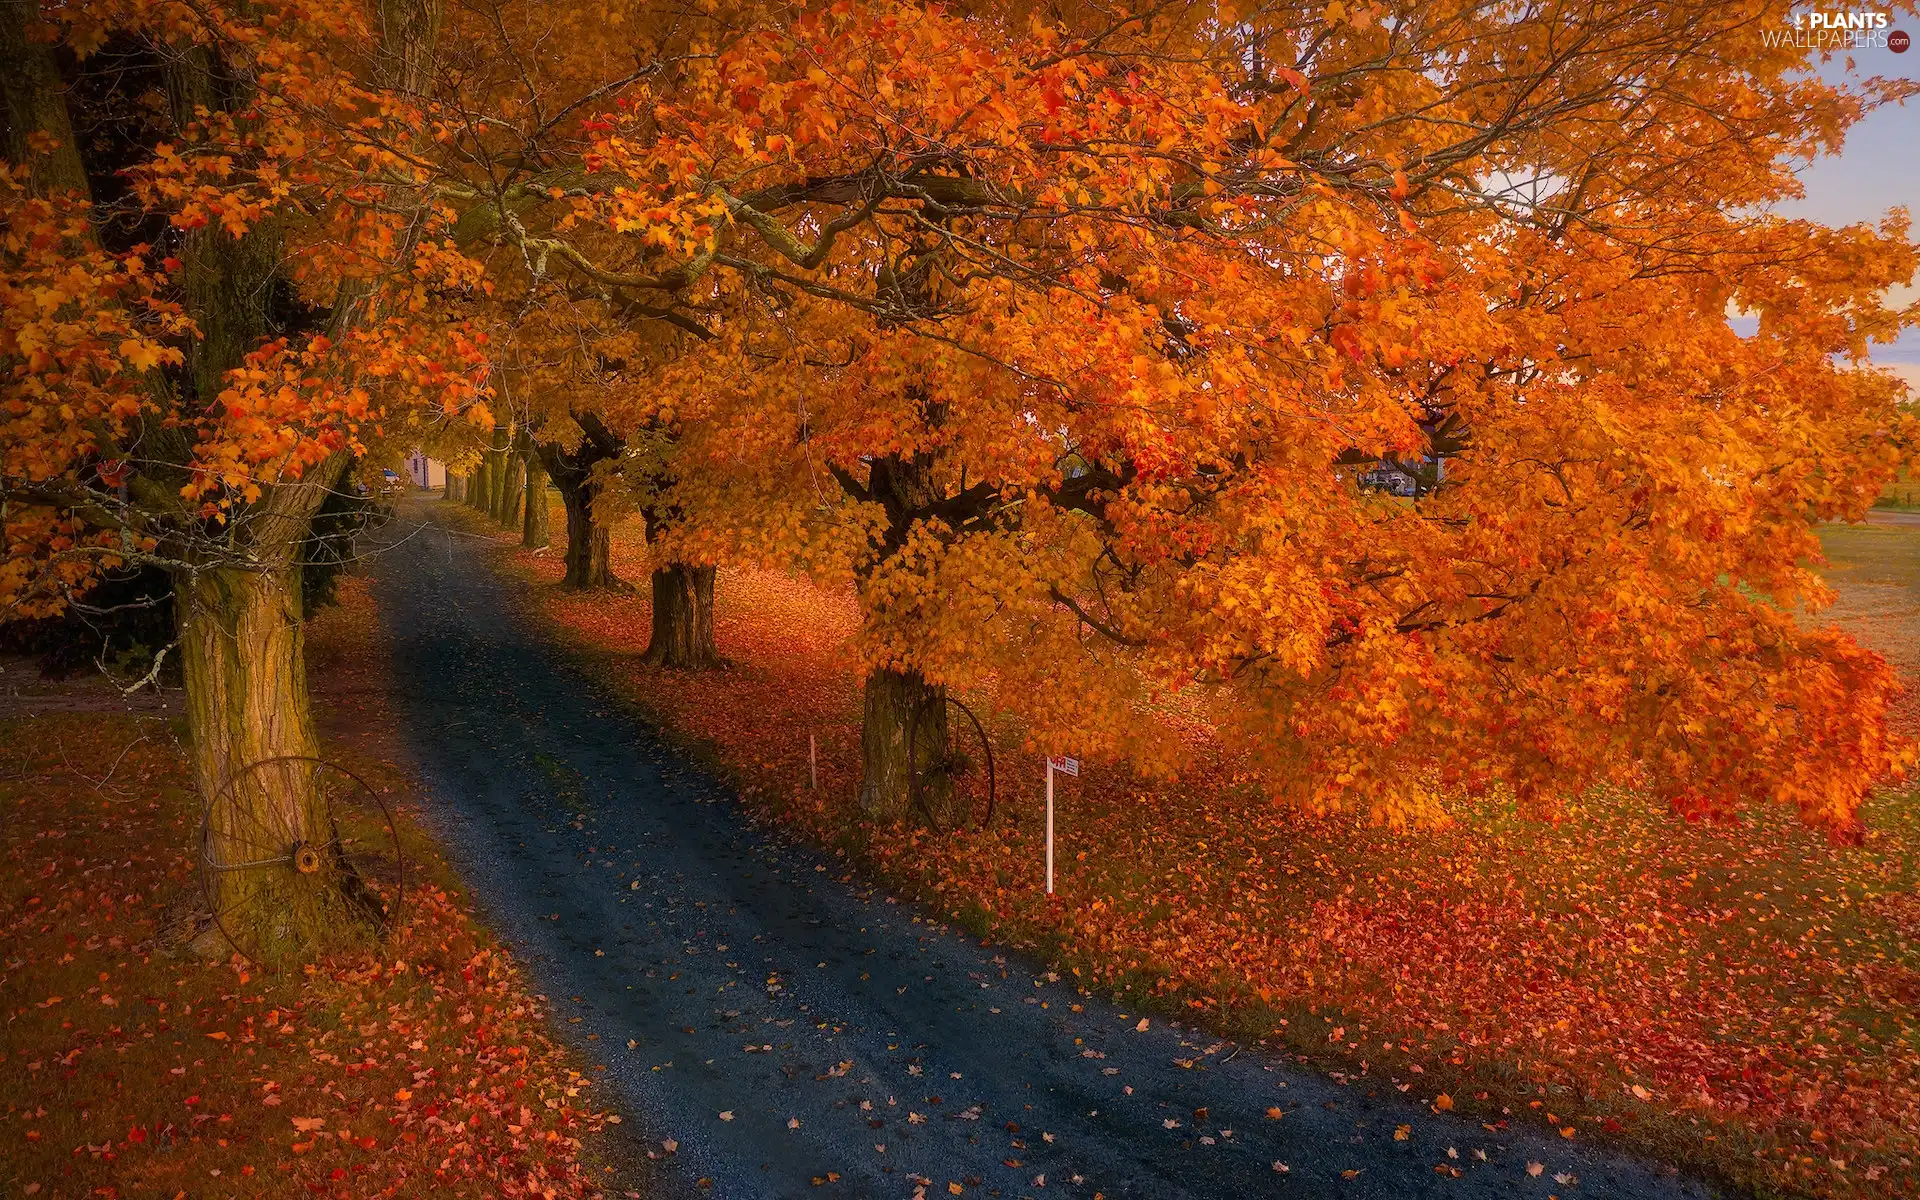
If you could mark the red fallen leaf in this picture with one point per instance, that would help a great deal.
(309, 1124)
(136, 1135)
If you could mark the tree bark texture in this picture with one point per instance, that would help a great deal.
(496, 474)
(456, 484)
(243, 659)
(534, 517)
(228, 283)
(513, 490)
(36, 99)
(683, 618)
(893, 700)
(240, 628)
(589, 546)
(904, 487)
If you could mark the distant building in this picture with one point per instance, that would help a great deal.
(1389, 478)
(1404, 478)
(426, 472)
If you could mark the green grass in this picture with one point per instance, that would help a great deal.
(1874, 554)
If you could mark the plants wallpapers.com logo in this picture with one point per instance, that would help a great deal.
(1849, 30)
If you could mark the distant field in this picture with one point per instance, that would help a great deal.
(1876, 571)
(1902, 493)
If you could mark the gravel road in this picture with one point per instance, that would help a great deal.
(798, 1034)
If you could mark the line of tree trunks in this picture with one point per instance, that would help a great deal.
(456, 487)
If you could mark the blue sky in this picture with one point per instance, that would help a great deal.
(1879, 169)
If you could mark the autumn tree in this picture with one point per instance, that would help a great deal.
(213, 302)
(1068, 337)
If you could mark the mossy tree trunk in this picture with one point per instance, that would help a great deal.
(243, 660)
(237, 595)
(513, 490)
(476, 491)
(534, 518)
(891, 748)
(455, 485)
(496, 475)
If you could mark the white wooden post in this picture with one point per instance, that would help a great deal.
(1049, 825)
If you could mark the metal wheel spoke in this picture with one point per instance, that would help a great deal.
(247, 844)
(251, 864)
(246, 813)
(235, 830)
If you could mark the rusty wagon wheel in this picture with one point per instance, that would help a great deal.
(313, 836)
(962, 760)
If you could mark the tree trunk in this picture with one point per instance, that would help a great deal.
(683, 618)
(497, 475)
(905, 488)
(534, 517)
(455, 485)
(36, 100)
(239, 628)
(242, 656)
(589, 548)
(476, 491)
(513, 490)
(893, 700)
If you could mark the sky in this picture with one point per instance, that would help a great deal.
(1878, 169)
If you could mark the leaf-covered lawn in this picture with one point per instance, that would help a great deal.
(1742, 999)
(132, 1069)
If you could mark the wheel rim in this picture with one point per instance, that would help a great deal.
(964, 759)
(346, 841)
